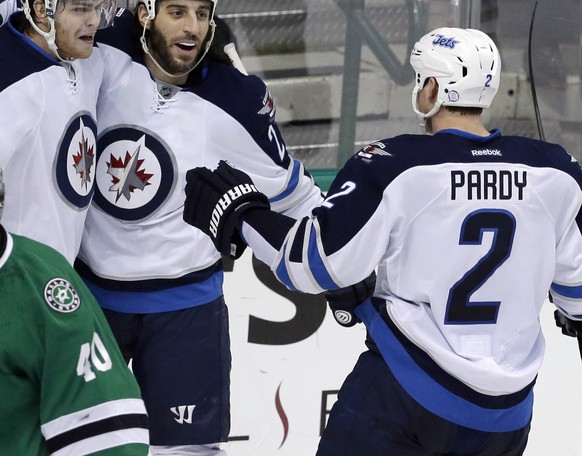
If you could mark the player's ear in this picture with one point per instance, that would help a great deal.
(432, 89)
(40, 15)
(142, 14)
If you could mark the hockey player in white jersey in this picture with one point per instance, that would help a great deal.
(469, 230)
(47, 150)
(172, 107)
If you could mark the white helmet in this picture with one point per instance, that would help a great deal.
(465, 63)
(151, 9)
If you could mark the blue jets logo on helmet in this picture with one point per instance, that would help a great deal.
(441, 40)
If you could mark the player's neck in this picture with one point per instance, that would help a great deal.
(469, 123)
(163, 76)
(40, 41)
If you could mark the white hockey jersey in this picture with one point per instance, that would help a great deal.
(468, 235)
(150, 135)
(48, 145)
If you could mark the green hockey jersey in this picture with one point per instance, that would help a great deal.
(65, 388)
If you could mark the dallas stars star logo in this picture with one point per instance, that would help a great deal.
(84, 158)
(61, 296)
(126, 173)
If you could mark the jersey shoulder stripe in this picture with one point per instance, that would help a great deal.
(19, 57)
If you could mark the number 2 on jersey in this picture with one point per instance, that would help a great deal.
(346, 188)
(460, 310)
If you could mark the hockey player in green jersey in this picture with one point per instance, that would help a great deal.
(65, 387)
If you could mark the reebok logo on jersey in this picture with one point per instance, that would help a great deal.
(485, 152)
(183, 413)
(225, 201)
(61, 296)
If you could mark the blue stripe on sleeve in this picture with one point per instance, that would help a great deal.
(316, 265)
(291, 186)
(283, 274)
(568, 292)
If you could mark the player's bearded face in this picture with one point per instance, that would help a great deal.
(177, 33)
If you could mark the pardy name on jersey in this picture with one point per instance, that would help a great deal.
(488, 184)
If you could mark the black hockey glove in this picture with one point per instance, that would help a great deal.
(343, 301)
(216, 201)
(572, 328)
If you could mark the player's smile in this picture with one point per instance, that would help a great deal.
(186, 49)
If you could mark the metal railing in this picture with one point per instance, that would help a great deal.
(360, 31)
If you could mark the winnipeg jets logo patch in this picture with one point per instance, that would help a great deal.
(61, 296)
(376, 148)
(135, 173)
(84, 158)
(74, 166)
(268, 108)
(127, 175)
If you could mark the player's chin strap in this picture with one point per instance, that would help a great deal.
(49, 36)
(146, 50)
(532, 83)
(421, 115)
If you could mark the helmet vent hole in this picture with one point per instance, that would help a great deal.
(465, 71)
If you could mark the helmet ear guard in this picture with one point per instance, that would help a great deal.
(152, 6)
(50, 7)
(465, 63)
